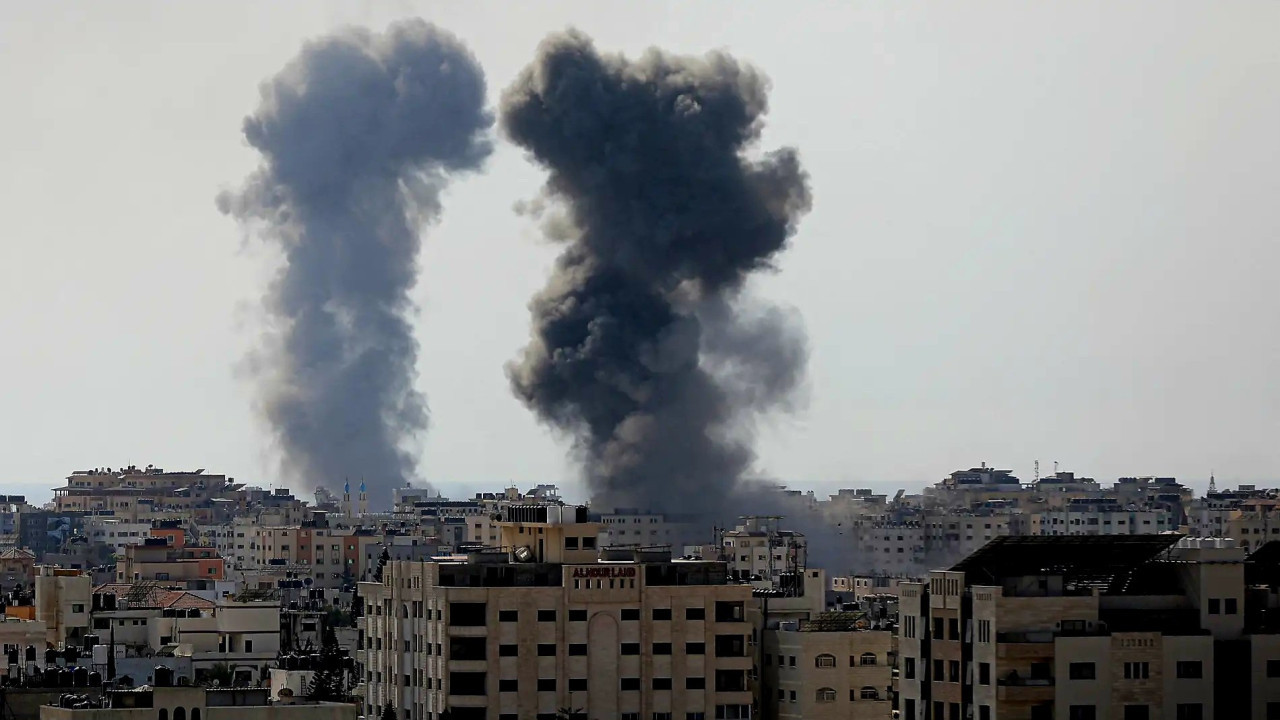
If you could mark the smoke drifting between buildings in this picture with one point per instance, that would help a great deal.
(641, 348)
(358, 135)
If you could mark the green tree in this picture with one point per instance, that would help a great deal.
(329, 682)
(388, 712)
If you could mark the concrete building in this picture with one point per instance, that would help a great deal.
(196, 703)
(1083, 627)
(159, 559)
(832, 666)
(17, 568)
(62, 604)
(556, 623)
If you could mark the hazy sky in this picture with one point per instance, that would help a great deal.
(1040, 230)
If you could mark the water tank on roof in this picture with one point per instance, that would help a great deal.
(65, 677)
(95, 678)
(31, 653)
(90, 641)
(71, 654)
(50, 657)
(80, 676)
(163, 676)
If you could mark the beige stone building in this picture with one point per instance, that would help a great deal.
(1089, 627)
(831, 667)
(62, 603)
(554, 623)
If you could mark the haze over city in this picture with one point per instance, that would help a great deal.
(1036, 233)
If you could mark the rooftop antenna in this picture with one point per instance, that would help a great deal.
(1055, 468)
(1213, 484)
(1037, 471)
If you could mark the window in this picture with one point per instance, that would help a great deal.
(79, 608)
(1082, 712)
(1229, 606)
(662, 683)
(179, 713)
(1273, 711)
(508, 615)
(466, 614)
(1082, 671)
(984, 673)
(662, 613)
(662, 648)
(939, 670)
(571, 543)
(632, 683)
(630, 648)
(1189, 711)
(953, 671)
(505, 685)
(695, 648)
(695, 683)
(825, 695)
(867, 659)
(909, 668)
(984, 631)
(825, 661)
(869, 693)
(984, 712)
(577, 684)
(546, 616)
(164, 714)
(1215, 606)
(938, 625)
(546, 684)
(248, 647)
(733, 712)
(1136, 671)
(1273, 668)
(1137, 712)
(695, 613)
(1190, 669)
(953, 629)
(577, 616)
(577, 648)
(695, 716)
(630, 614)
(546, 649)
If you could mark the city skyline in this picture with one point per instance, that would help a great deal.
(1055, 238)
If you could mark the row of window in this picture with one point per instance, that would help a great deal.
(580, 684)
(729, 648)
(828, 695)
(824, 660)
(475, 683)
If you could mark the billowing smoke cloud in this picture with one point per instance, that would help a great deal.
(641, 348)
(358, 136)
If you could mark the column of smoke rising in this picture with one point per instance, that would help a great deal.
(358, 135)
(639, 348)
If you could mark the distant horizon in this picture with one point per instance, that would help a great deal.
(571, 490)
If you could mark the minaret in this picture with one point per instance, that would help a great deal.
(1213, 484)
(346, 498)
(364, 500)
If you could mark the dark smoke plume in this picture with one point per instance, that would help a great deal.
(358, 136)
(640, 347)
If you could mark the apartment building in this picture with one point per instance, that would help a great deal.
(157, 559)
(1085, 627)
(833, 666)
(554, 623)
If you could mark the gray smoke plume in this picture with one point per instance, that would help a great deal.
(358, 136)
(640, 347)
